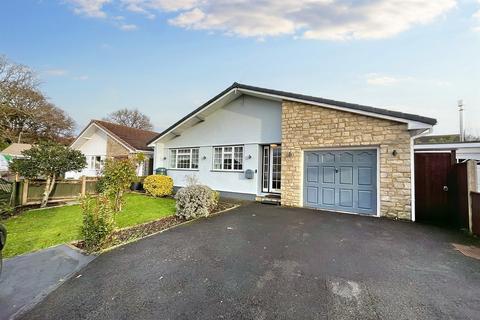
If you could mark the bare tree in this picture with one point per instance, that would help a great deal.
(25, 113)
(130, 118)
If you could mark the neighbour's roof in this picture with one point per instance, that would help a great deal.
(136, 139)
(16, 149)
(439, 138)
(284, 95)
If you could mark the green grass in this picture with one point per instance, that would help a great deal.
(38, 229)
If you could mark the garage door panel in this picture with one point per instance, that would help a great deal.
(328, 196)
(312, 174)
(328, 157)
(312, 195)
(313, 157)
(346, 175)
(328, 175)
(346, 198)
(365, 199)
(365, 176)
(343, 180)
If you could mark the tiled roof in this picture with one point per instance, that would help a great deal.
(132, 137)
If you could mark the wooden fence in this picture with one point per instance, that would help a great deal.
(475, 198)
(28, 192)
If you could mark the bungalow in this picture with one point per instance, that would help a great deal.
(258, 143)
(100, 140)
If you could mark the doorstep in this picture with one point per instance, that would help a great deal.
(270, 198)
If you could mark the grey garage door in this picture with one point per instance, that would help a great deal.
(343, 180)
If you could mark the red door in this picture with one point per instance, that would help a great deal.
(432, 172)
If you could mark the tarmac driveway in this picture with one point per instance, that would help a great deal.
(267, 262)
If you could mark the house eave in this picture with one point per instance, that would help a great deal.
(237, 90)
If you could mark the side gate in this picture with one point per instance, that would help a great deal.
(441, 189)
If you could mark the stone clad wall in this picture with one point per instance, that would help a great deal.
(308, 127)
(115, 149)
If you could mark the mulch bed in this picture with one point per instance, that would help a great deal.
(142, 230)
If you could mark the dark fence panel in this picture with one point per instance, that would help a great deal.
(475, 213)
(6, 188)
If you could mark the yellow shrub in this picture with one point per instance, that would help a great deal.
(158, 186)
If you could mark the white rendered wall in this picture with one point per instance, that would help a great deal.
(95, 146)
(247, 121)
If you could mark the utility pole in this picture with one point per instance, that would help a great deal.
(462, 121)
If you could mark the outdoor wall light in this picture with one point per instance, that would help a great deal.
(290, 154)
(394, 153)
(164, 158)
(249, 156)
(204, 158)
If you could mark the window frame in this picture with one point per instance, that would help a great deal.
(232, 154)
(173, 161)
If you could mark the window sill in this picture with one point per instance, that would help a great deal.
(233, 171)
(170, 169)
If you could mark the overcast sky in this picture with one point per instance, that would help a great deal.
(166, 57)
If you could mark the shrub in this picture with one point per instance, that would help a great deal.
(101, 185)
(195, 201)
(98, 221)
(118, 175)
(158, 186)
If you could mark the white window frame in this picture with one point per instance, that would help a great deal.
(232, 153)
(95, 164)
(190, 153)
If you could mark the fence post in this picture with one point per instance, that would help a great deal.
(84, 186)
(471, 187)
(25, 192)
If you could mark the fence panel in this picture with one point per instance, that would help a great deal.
(6, 188)
(475, 196)
(63, 190)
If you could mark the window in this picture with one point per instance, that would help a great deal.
(228, 158)
(96, 162)
(185, 158)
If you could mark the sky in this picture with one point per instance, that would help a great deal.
(167, 57)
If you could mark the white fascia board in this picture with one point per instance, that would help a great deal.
(80, 136)
(234, 90)
(447, 146)
(113, 137)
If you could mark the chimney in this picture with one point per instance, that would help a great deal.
(462, 121)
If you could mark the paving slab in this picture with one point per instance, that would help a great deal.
(27, 279)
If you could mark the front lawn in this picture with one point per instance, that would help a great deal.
(38, 229)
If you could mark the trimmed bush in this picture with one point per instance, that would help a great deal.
(158, 186)
(98, 221)
(195, 201)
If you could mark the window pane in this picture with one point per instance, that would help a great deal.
(227, 161)
(195, 158)
(238, 158)
(227, 149)
(97, 162)
(183, 161)
(217, 158)
(173, 159)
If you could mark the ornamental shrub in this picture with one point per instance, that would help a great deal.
(158, 186)
(98, 221)
(195, 201)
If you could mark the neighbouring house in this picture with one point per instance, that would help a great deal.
(258, 143)
(13, 151)
(101, 140)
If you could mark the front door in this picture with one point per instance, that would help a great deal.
(271, 169)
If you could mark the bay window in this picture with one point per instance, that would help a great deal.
(229, 158)
(185, 158)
